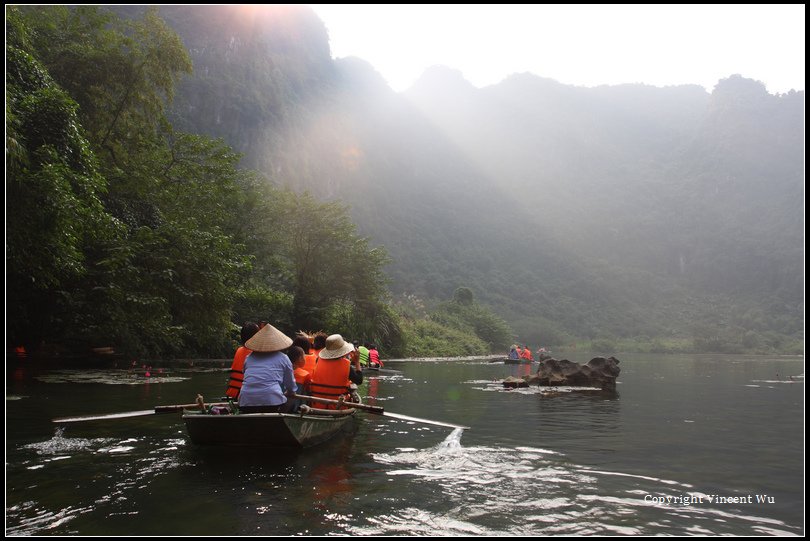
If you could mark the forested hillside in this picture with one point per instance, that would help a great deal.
(661, 215)
(627, 216)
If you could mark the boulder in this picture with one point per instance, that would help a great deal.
(598, 372)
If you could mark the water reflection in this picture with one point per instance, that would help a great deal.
(533, 491)
(554, 461)
(109, 377)
(520, 370)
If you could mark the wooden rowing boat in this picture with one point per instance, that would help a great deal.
(507, 360)
(267, 429)
(377, 370)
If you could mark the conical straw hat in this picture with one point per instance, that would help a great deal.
(268, 339)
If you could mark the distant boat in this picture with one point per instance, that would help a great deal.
(377, 370)
(285, 430)
(507, 360)
(517, 361)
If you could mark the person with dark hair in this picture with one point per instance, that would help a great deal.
(318, 342)
(374, 357)
(269, 378)
(302, 377)
(301, 341)
(304, 341)
(237, 367)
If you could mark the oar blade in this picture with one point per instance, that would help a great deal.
(121, 415)
(124, 414)
(378, 410)
(420, 420)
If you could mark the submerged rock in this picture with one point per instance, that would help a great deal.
(513, 382)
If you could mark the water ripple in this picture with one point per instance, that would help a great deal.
(59, 444)
(483, 490)
(129, 464)
(497, 386)
(107, 377)
(32, 518)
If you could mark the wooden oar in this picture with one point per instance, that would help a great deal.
(156, 411)
(378, 410)
(371, 409)
(420, 420)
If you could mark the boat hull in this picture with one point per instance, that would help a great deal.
(371, 370)
(517, 361)
(266, 429)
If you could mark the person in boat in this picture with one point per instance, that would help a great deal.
(303, 341)
(374, 357)
(318, 343)
(237, 367)
(338, 367)
(527, 354)
(269, 377)
(302, 377)
(362, 352)
(513, 354)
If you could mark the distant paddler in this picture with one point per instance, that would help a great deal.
(374, 360)
(363, 354)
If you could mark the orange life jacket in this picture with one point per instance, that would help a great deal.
(331, 379)
(237, 372)
(527, 354)
(309, 362)
(302, 376)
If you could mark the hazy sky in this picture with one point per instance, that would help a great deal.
(578, 45)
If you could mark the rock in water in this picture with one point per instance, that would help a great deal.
(598, 372)
(513, 382)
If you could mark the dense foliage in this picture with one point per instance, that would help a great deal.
(124, 232)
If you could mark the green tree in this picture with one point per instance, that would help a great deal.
(53, 191)
(319, 256)
(463, 296)
(139, 244)
(464, 314)
(121, 72)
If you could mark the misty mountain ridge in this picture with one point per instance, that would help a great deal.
(613, 211)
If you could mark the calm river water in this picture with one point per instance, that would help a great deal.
(689, 445)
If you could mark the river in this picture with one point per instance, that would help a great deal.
(687, 445)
